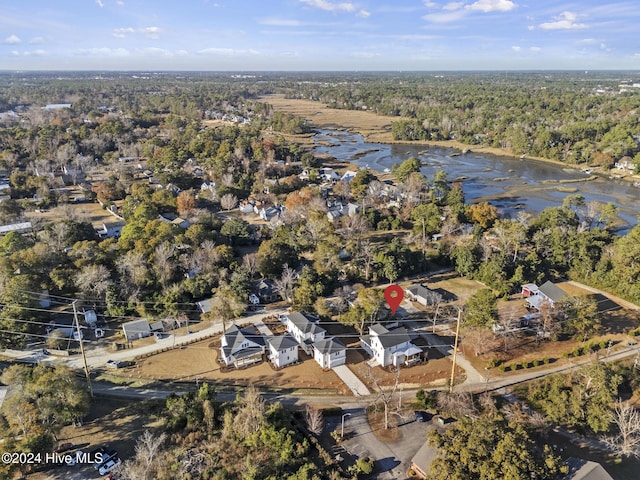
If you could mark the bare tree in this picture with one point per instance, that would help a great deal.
(384, 394)
(228, 201)
(94, 280)
(627, 419)
(163, 263)
(250, 416)
(315, 421)
(366, 257)
(457, 404)
(284, 285)
(249, 261)
(146, 462)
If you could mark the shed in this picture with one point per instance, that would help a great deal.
(421, 461)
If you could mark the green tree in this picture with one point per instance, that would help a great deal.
(486, 449)
(481, 309)
(406, 168)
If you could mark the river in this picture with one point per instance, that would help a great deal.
(510, 184)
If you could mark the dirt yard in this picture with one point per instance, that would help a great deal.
(111, 423)
(198, 361)
(435, 372)
(89, 212)
(523, 347)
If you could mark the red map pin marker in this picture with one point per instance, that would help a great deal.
(394, 294)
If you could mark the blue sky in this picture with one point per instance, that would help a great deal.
(319, 35)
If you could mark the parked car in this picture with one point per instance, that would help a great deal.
(422, 417)
(63, 447)
(74, 457)
(106, 456)
(109, 465)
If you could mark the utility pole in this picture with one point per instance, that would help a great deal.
(455, 351)
(80, 339)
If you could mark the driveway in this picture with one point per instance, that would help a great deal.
(393, 459)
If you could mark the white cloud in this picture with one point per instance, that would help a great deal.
(515, 48)
(227, 52)
(149, 32)
(364, 14)
(452, 6)
(564, 21)
(15, 53)
(103, 52)
(535, 49)
(280, 22)
(119, 3)
(36, 40)
(35, 53)
(12, 40)
(100, 4)
(487, 6)
(430, 4)
(157, 52)
(330, 6)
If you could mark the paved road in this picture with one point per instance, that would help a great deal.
(98, 357)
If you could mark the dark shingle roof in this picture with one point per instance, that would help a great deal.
(281, 342)
(329, 346)
(394, 337)
(235, 336)
(306, 323)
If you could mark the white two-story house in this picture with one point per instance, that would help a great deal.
(283, 350)
(329, 353)
(241, 346)
(390, 347)
(305, 329)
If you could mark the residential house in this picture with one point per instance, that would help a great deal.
(246, 208)
(205, 305)
(625, 163)
(421, 294)
(421, 461)
(111, 230)
(23, 227)
(283, 350)
(348, 176)
(548, 293)
(270, 212)
(174, 219)
(210, 186)
(328, 174)
(329, 353)
(390, 347)
(580, 469)
(266, 290)
(136, 329)
(305, 329)
(241, 346)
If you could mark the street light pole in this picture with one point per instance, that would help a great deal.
(342, 429)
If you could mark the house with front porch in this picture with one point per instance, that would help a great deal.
(390, 347)
(241, 346)
(283, 350)
(330, 353)
(546, 294)
(305, 328)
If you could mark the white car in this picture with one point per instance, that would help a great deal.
(73, 458)
(110, 465)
